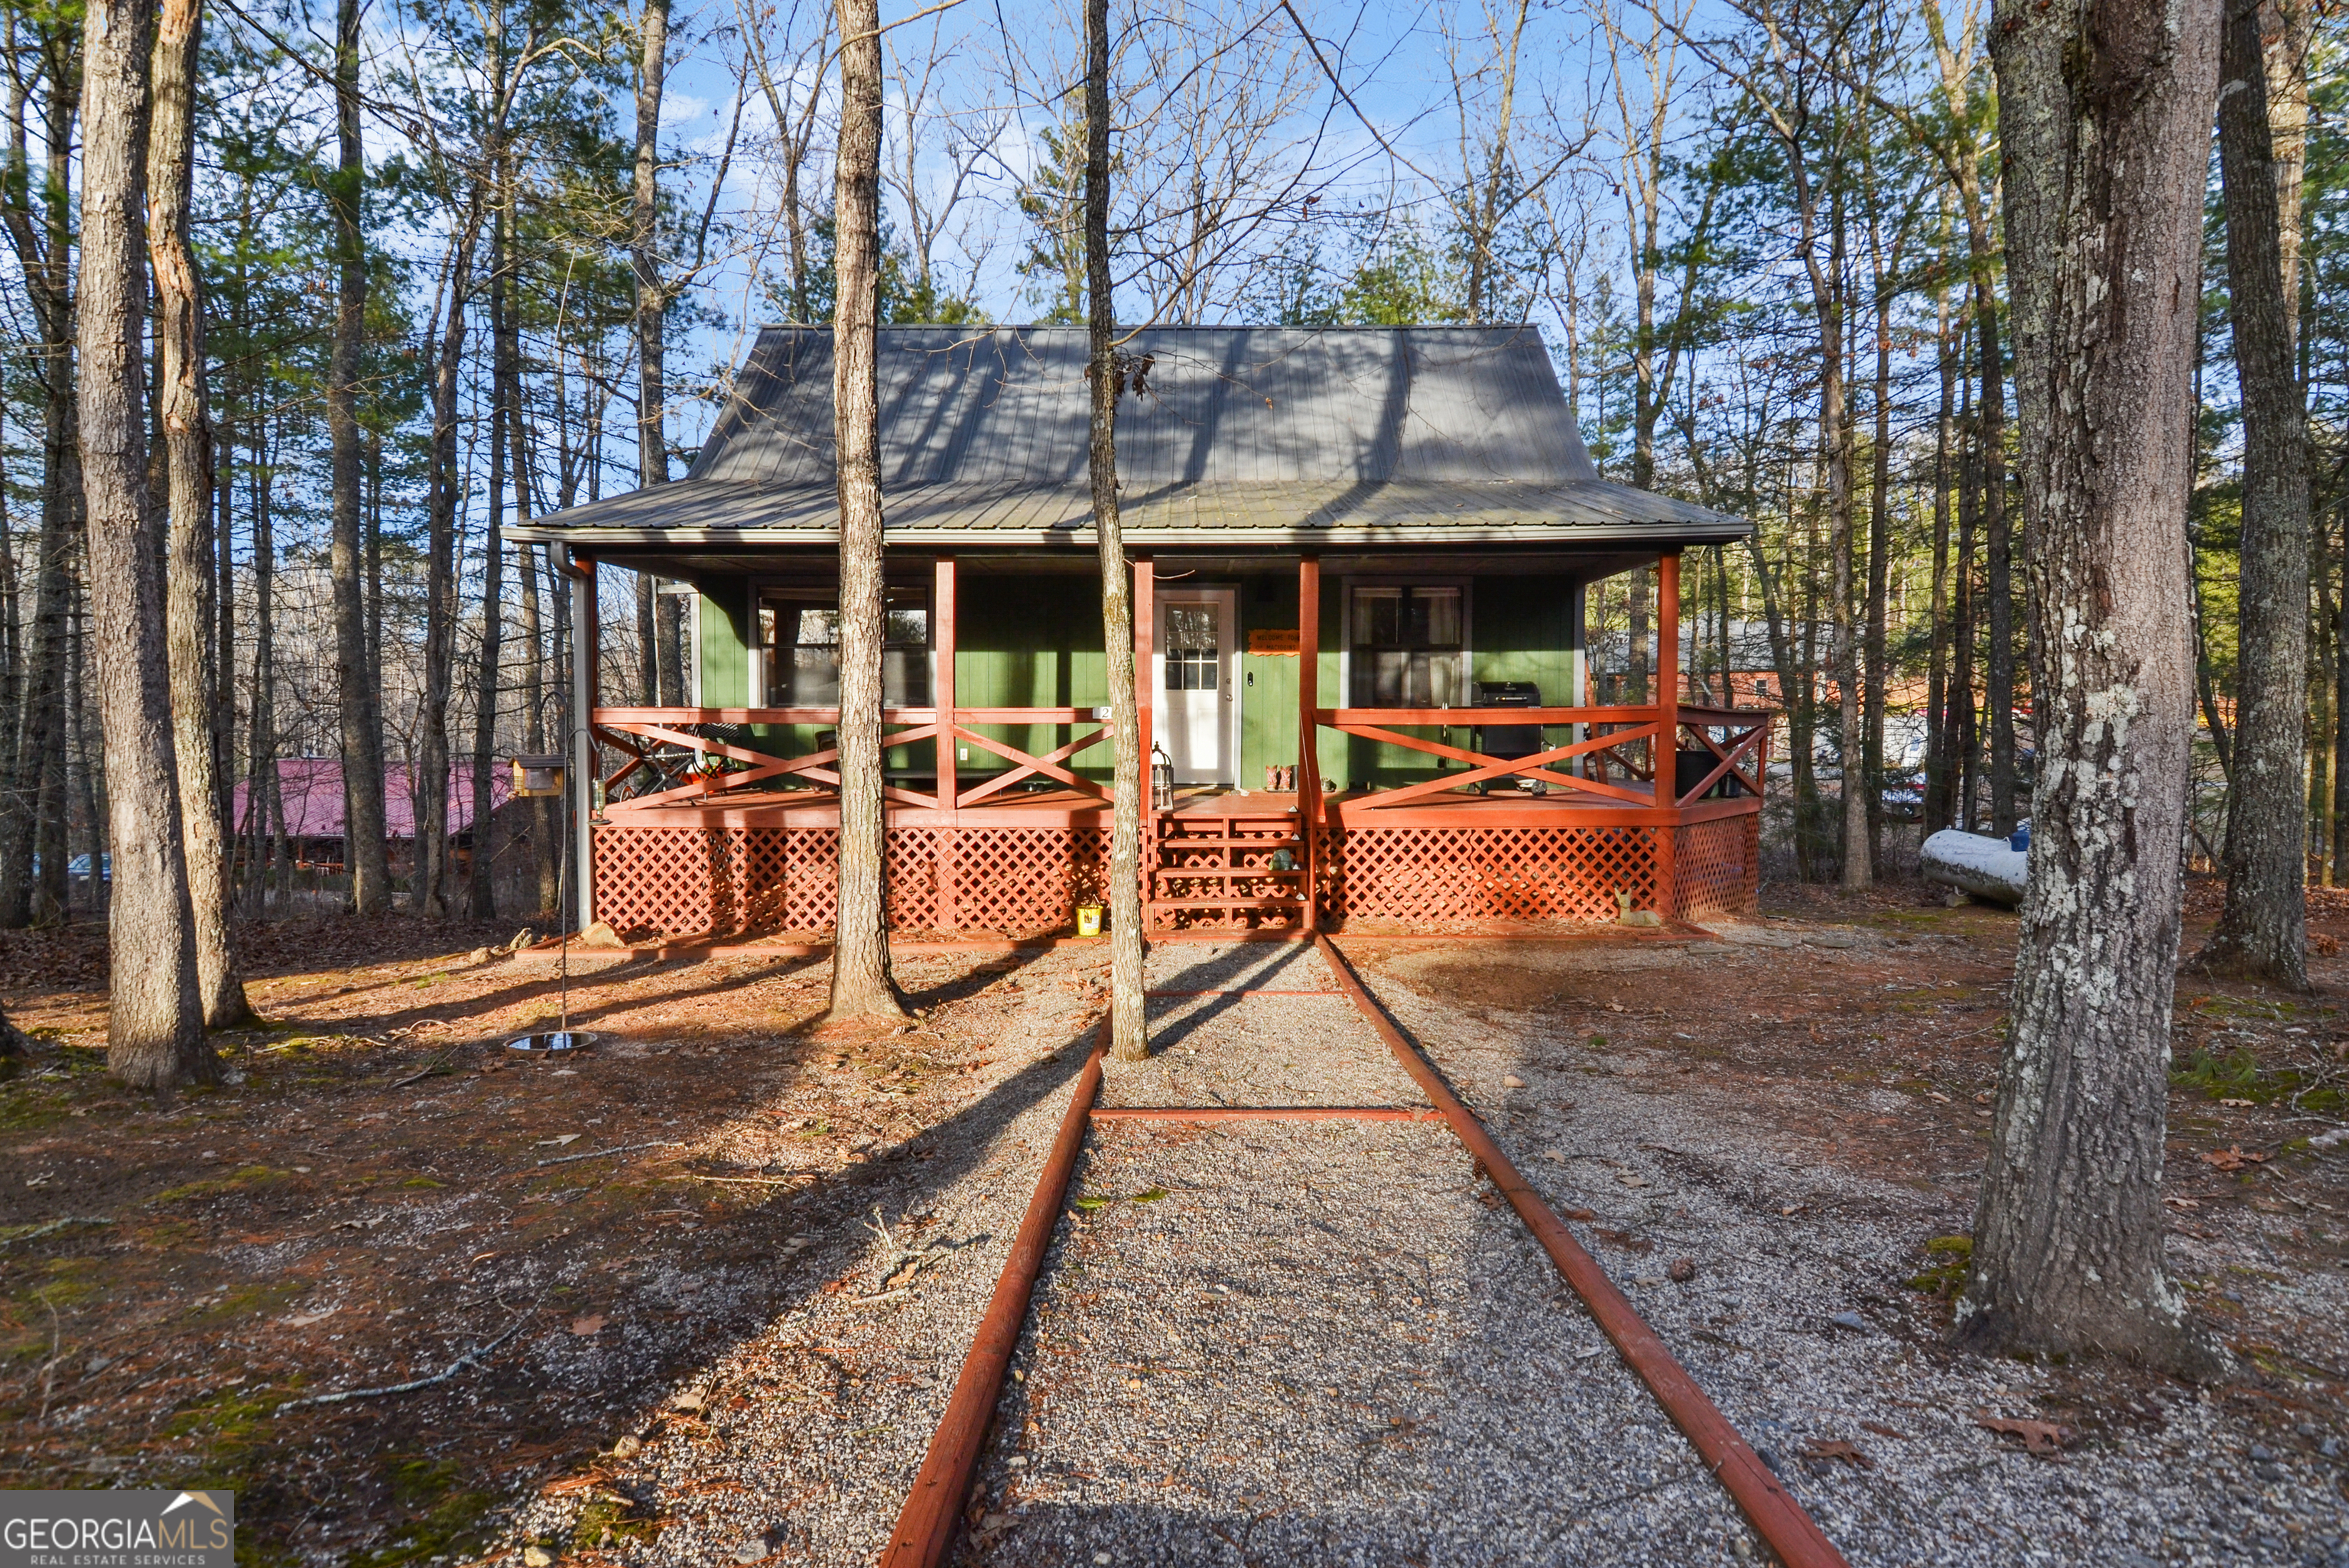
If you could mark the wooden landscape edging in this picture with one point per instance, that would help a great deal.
(932, 1511)
(1770, 1508)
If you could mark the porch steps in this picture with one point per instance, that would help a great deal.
(1215, 869)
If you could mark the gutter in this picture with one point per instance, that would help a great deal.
(593, 541)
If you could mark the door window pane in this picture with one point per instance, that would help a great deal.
(1192, 652)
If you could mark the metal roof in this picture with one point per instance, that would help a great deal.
(1260, 436)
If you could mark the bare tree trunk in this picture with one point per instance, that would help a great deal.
(187, 447)
(2319, 741)
(223, 746)
(481, 889)
(2286, 28)
(14, 1047)
(38, 213)
(2341, 709)
(261, 747)
(545, 819)
(861, 982)
(1965, 721)
(12, 652)
(155, 1025)
(1883, 266)
(371, 452)
(1635, 620)
(1129, 1031)
(428, 883)
(359, 711)
(1957, 68)
(648, 639)
(2104, 118)
(27, 896)
(1998, 664)
(652, 392)
(2262, 932)
(83, 764)
(1936, 672)
(1835, 430)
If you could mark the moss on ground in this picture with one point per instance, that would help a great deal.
(246, 1179)
(440, 1519)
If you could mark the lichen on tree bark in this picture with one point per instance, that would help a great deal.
(2104, 113)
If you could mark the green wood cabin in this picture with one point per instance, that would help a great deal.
(1358, 559)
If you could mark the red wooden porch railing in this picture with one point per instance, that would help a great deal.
(1742, 751)
(656, 739)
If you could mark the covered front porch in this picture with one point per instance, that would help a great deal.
(722, 821)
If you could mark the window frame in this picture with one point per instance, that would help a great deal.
(768, 596)
(1350, 609)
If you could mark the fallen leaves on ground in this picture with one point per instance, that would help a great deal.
(2045, 1438)
(1836, 1448)
(2232, 1159)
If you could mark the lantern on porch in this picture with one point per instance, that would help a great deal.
(1162, 780)
(536, 776)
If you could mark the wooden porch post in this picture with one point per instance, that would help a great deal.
(942, 697)
(942, 694)
(1668, 736)
(1308, 729)
(587, 647)
(1145, 632)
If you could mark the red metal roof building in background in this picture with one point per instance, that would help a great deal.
(310, 790)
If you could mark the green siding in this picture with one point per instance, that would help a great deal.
(1029, 642)
(1035, 642)
(1268, 682)
(1522, 630)
(727, 635)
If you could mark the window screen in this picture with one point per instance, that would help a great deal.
(1407, 648)
(802, 637)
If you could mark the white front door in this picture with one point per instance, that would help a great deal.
(1197, 708)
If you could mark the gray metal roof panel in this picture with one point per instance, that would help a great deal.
(1236, 431)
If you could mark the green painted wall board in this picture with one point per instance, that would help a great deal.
(728, 633)
(1029, 642)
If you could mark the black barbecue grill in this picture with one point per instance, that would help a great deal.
(1508, 742)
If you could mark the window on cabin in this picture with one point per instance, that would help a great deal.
(801, 633)
(1407, 648)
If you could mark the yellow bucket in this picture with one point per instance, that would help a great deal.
(1088, 916)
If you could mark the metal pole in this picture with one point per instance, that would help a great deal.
(585, 633)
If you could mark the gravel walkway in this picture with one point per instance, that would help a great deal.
(1329, 1342)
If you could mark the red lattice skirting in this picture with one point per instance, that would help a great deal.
(1717, 867)
(724, 882)
(1444, 874)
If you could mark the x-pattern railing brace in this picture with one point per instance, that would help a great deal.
(1739, 748)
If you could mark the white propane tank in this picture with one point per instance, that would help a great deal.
(1976, 863)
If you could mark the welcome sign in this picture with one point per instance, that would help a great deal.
(117, 1529)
